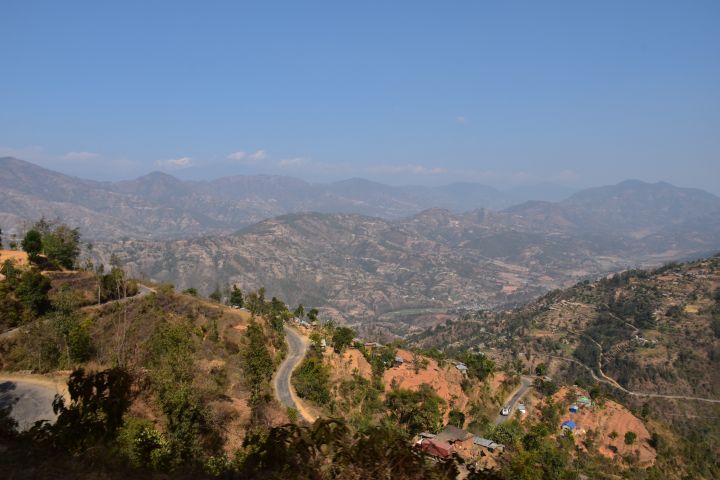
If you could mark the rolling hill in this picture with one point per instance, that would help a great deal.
(358, 268)
(160, 206)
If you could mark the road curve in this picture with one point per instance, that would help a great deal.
(297, 346)
(525, 384)
(28, 400)
(608, 381)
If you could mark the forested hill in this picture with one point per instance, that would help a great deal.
(655, 331)
(650, 339)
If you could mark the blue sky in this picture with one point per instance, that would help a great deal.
(503, 93)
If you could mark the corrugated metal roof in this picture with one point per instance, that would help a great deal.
(484, 442)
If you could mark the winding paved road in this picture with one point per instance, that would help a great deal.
(525, 384)
(29, 401)
(297, 346)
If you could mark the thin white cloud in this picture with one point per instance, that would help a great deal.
(258, 156)
(460, 119)
(238, 156)
(175, 163)
(79, 156)
(248, 158)
(409, 168)
(292, 162)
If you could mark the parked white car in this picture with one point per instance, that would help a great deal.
(505, 411)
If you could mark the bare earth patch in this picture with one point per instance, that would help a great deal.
(20, 258)
(444, 381)
(606, 419)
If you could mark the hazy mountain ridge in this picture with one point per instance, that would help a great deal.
(359, 267)
(160, 206)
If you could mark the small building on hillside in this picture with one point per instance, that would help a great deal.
(489, 445)
(568, 425)
(399, 360)
(436, 448)
(584, 401)
(462, 367)
(455, 436)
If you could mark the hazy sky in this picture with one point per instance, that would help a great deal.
(505, 93)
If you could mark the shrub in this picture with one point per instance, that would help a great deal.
(456, 418)
(312, 379)
(418, 411)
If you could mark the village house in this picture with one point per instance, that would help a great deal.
(455, 436)
(436, 448)
(489, 445)
(476, 453)
(568, 425)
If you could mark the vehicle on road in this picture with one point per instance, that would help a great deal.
(505, 411)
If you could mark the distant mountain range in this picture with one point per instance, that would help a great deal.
(359, 268)
(362, 250)
(160, 206)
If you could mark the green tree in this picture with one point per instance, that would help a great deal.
(216, 295)
(313, 314)
(299, 311)
(32, 292)
(95, 413)
(62, 245)
(11, 310)
(342, 338)
(630, 438)
(479, 366)
(257, 364)
(457, 418)
(75, 332)
(236, 297)
(191, 291)
(254, 303)
(32, 244)
(329, 449)
(381, 358)
(418, 411)
(312, 379)
(8, 269)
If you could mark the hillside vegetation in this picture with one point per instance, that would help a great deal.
(653, 333)
(365, 270)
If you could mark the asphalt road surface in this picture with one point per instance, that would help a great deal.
(296, 352)
(29, 401)
(525, 384)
